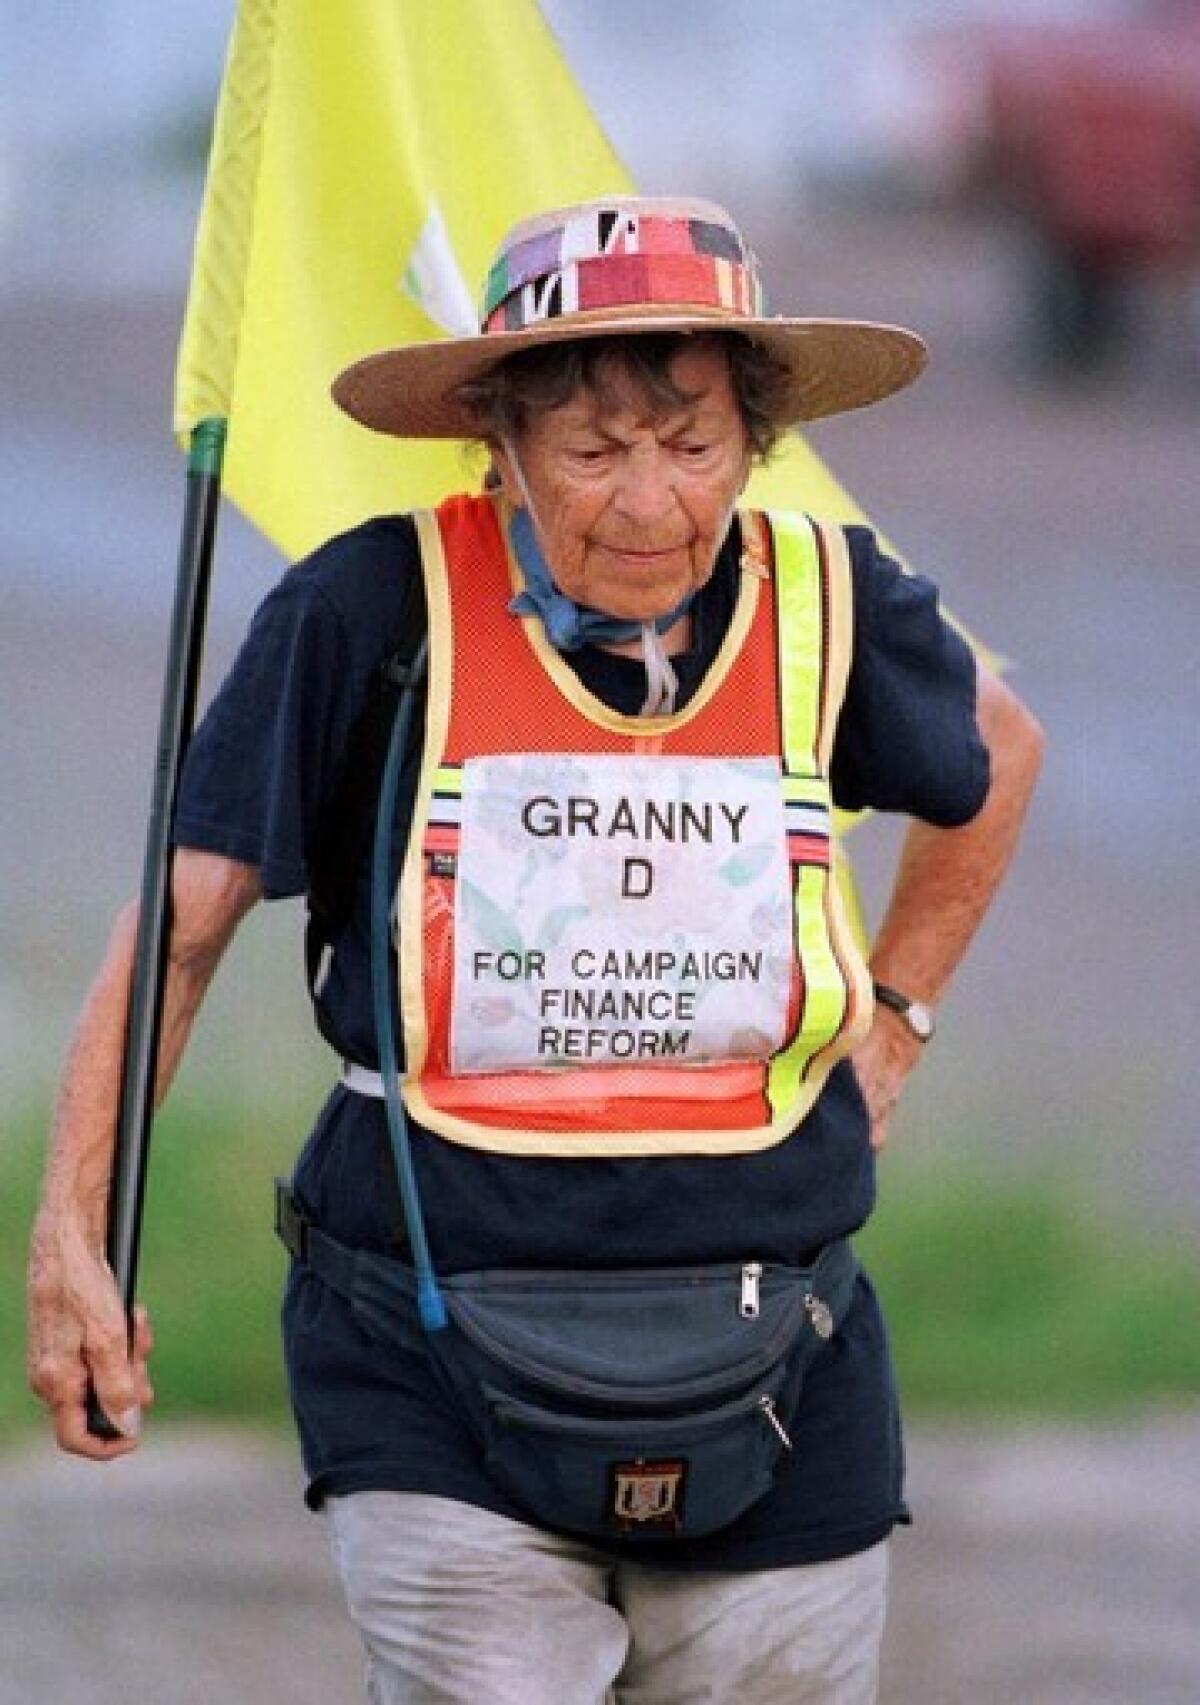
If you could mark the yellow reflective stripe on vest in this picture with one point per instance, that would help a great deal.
(824, 992)
(801, 628)
(807, 790)
(803, 659)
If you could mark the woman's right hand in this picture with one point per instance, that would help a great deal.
(78, 1335)
(78, 1332)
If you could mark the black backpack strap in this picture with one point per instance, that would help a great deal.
(344, 832)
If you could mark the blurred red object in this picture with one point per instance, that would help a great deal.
(1090, 136)
(1095, 134)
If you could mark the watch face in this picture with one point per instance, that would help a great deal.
(915, 1014)
(920, 1020)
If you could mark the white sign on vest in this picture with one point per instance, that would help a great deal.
(620, 910)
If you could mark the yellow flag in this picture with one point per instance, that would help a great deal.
(368, 156)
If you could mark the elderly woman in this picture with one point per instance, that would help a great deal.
(586, 1375)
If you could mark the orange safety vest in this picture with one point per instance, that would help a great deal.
(499, 691)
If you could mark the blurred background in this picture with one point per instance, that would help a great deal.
(1021, 183)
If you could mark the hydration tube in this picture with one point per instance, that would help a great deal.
(430, 1304)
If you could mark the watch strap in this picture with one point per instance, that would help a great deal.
(916, 1015)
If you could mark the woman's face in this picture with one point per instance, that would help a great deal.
(631, 507)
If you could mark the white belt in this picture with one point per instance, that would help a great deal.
(362, 1081)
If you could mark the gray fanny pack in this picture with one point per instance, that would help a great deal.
(649, 1403)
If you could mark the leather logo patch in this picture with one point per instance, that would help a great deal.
(647, 1494)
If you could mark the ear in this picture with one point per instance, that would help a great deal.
(506, 474)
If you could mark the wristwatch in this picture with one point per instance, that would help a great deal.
(915, 1014)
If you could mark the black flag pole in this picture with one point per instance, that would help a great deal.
(181, 679)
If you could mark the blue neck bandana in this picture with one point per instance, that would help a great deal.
(568, 625)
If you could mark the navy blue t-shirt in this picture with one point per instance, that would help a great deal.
(261, 770)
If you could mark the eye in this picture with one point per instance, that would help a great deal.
(693, 449)
(588, 456)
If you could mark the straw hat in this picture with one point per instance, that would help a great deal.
(625, 264)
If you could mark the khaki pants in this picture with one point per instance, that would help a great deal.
(457, 1606)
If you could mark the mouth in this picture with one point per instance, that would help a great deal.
(645, 557)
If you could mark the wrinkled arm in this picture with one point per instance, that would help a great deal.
(77, 1323)
(945, 882)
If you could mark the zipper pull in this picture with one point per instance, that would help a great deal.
(818, 1313)
(767, 1405)
(748, 1305)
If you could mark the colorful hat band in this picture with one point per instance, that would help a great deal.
(610, 259)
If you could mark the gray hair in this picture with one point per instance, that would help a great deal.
(503, 398)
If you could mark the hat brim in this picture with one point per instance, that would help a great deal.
(836, 365)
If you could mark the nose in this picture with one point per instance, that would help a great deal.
(645, 490)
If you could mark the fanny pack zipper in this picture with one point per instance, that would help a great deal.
(513, 1410)
(647, 1397)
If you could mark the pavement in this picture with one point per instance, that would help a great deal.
(1047, 1566)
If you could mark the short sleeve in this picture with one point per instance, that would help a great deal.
(907, 739)
(266, 756)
